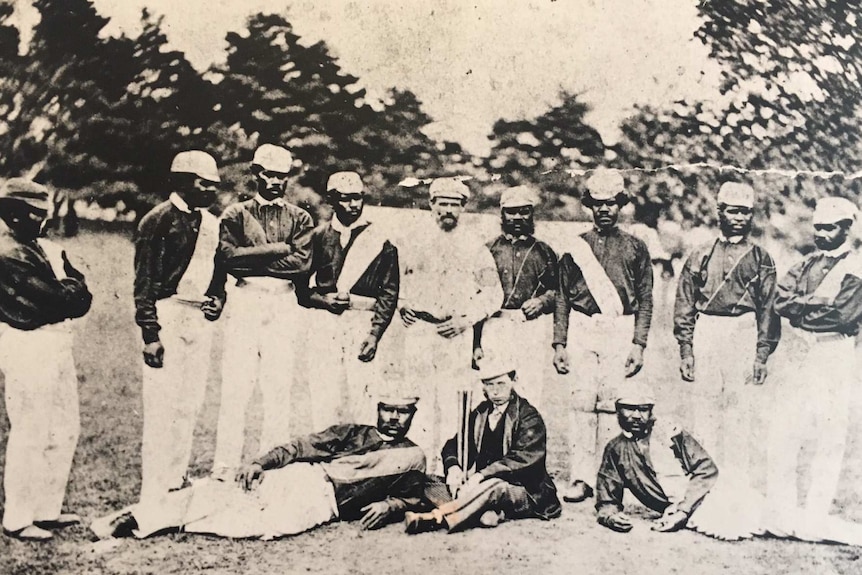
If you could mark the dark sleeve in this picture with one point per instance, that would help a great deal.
(684, 310)
(609, 485)
(37, 297)
(701, 469)
(316, 447)
(240, 254)
(549, 279)
(387, 290)
(768, 321)
(305, 295)
(528, 446)
(643, 286)
(408, 494)
(219, 279)
(843, 314)
(149, 254)
(562, 306)
(788, 302)
(298, 261)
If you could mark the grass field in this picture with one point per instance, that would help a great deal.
(106, 476)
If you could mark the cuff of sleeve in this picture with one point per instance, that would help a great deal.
(150, 334)
(763, 352)
(686, 350)
(640, 342)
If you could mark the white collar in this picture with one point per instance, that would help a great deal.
(179, 203)
(264, 202)
(345, 231)
(738, 239)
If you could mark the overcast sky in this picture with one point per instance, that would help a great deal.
(473, 62)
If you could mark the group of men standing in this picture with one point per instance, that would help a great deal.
(290, 291)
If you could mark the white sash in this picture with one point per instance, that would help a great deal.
(600, 285)
(54, 253)
(196, 280)
(366, 246)
(831, 284)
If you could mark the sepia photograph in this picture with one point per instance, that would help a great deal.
(343, 287)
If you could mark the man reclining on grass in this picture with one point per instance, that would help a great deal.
(669, 472)
(347, 472)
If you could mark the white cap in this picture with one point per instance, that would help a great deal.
(636, 394)
(492, 366)
(26, 191)
(736, 194)
(605, 184)
(449, 188)
(832, 209)
(345, 183)
(196, 162)
(397, 399)
(518, 197)
(275, 158)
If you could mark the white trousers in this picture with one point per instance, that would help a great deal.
(260, 334)
(42, 405)
(598, 348)
(291, 500)
(528, 343)
(340, 385)
(724, 352)
(437, 368)
(812, 394)
(173, 396)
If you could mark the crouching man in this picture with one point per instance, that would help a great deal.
(669, 472)
(506, 476)
(347, 472)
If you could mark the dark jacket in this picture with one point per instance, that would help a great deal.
(524, 449)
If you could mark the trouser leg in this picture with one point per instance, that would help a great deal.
(326, 368)
(583, 419)
(63, 431)
(41, 403)
(173, 396)
(277, 350)
(830, 408)
(240, 367)
(491, 494)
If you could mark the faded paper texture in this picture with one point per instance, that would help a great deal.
(96, 98)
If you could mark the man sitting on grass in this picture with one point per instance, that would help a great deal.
(669, 472)
(505, 476)
(346, 472)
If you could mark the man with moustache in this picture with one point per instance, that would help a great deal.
(174, 291)
(671, 474)
(39, 291)
(821, 297)
(355, 277)
(527, 267)
(726, 327)
(449, 282)
(264, 245)
(346, 472)
(607, 280)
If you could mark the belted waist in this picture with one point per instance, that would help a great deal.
(821, 337)
(265, 284)
(430, 318)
